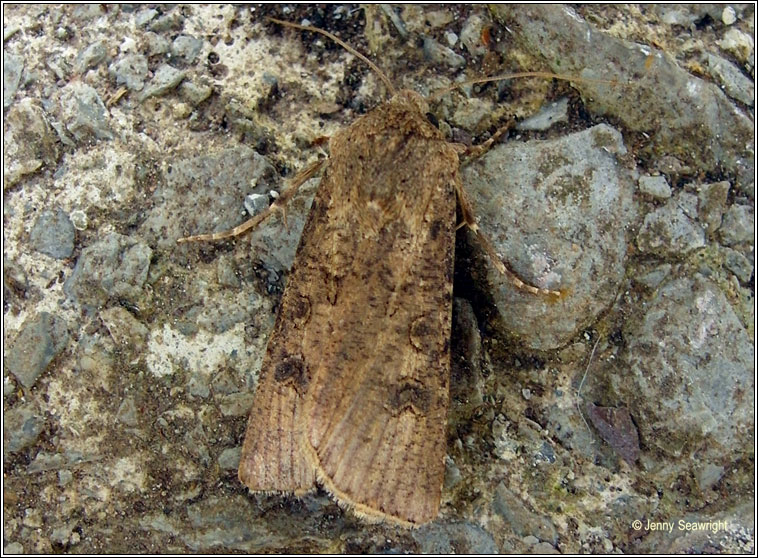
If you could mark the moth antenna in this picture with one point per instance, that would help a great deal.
(549, 75)
(344, 45)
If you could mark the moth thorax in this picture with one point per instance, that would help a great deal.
(408, 97)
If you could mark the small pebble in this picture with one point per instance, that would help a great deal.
(53, 234)
(64, 477)
(13, 548)
(229, 459)
(655, 187)
(728, 16)
(255, 203)
(78, 219)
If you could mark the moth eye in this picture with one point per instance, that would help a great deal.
(433, 120)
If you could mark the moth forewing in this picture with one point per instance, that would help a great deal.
(358, 363)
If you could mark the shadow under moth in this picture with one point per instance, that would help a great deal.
(353, 389)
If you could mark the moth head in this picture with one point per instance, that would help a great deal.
(407, 97)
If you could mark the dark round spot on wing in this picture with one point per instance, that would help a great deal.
(292, 371)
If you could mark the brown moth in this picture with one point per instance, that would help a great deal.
(353, 389)
(354, 384)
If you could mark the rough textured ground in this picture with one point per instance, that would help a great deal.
(130, 363)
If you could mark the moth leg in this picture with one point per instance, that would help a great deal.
(478, 150)
(279, 204)
(469, 220)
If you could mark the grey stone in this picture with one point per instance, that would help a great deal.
(558, 211)
(654, 277)
(471, 35)
(472, 113)
(45, 461)
(83, 112)
(229, 522)
(542, 548)
(390, 12)
(440, 54)
(87, 12)
(226, 272)
(224, 311)
(728, 16)
(688, 203)
(734, 82)
(13, 548)
(159, 522)
(194, 93)
(521, 519)
(655, 187)
(186, 48)
(452, 474)
(738, 264)
(165, 79)
(709, 475)
(681, 113)
(41, 339)
(144, 17)
(60, 66)
(53, 234)
(737, 225)
(225, 383)
(454, 538)
(10, 30)
(125, 330)
(156, 44)
(13, 68)
(678, 16)
(29, 142)
(130, 70)
(196, 442)
(225, 523)
(216, 184)
(712, 204)
(63, 535)
(236, 404)
(114, 267)
(690, 373)
(90, 57)
(570, 427)
(127, 412)
(79, 219)
(668, 230)
(229, 460)
(740, 44)
(65, 477)
(170, 22)
(208, 193)
(21, 428)
(198, 387)
(551, 114)
(256, 203)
